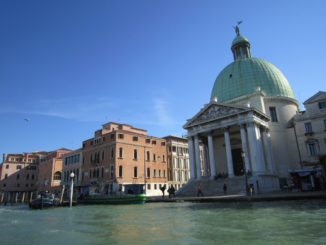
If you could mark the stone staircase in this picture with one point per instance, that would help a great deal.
(235, 185)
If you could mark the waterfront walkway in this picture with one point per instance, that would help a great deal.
(273, 196)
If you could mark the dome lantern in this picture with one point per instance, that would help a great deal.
(240, 45)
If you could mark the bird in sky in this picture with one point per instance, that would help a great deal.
(26, 119)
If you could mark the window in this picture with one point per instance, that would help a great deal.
(159, 173)
(308, 127)
(148, 141)
(120, 152)
(148, 186)
(112, 136)
(164, 173)
(27, 176)
(120, 136)
(32, 176)
(112, 153)
(162, 143)
(6, 176)
(57, 175)
(322, 105)
(148, 172)
(154, 173)
(272, 112)
(102, 155)
(135, 138)
(4, 185)
(77, 175)
(102, 172)
(19, 167)
(26, 185)
(312, 147)
(325, 124)
(120, 171)
(154, 157)
(154, 142)
(163, 158)
(112, 171)
(135, 172)
(155, 186)
(148, 156)
(135, 154)
(174, 149)
(17, 176)
(7, 166)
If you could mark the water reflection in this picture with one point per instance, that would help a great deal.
(168, 223)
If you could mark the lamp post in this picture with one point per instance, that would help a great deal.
(72, 175)
(243, 155)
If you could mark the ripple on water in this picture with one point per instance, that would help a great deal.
(169, 223)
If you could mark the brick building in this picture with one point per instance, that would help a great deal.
(119, 156)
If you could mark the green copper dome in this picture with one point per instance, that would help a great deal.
(244, 76)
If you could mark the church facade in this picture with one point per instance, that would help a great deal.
(245, 129)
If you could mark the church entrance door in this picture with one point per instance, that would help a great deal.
(237, 162)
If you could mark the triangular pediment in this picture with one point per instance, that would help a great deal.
(215, 111)
(321, 95)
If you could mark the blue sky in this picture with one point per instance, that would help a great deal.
(71, 66)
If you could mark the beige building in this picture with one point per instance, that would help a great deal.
(50, 171)
(19, 175)
(177, 161)
(122, 158)
(310, 128)
(72, 163)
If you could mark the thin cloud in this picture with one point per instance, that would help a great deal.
(76, 108)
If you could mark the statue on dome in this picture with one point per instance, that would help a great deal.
(236, 28)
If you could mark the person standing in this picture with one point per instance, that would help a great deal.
(199, 191)
(225, 188)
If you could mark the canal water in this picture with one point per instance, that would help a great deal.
(300, 222)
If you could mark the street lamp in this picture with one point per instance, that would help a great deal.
(243, 155)
(72, 175)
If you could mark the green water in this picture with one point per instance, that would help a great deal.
(265, 223)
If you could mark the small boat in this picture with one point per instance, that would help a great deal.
(114, 199)
(44, 200)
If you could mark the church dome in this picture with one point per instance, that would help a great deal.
(246, 74)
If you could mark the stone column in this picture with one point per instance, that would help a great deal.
(228, 153)
(245, 147)
(191, 158)
(23, 197)
(211, 156)
(268, 150)
(197, 157)
(256, 148)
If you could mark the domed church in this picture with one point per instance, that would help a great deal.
(244, 131)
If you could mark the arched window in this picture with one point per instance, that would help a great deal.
(135, 154)
(57, 175)
(120, 171)
(135, 172)
(120, 152)
(148, 156)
